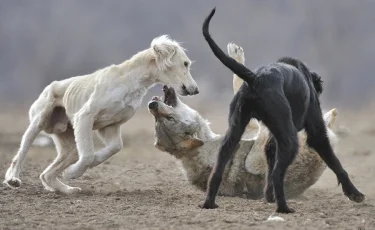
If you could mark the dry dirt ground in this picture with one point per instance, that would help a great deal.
(142, 188)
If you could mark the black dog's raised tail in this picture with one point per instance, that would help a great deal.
(237, 68)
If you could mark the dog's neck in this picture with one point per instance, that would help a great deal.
(140, 69)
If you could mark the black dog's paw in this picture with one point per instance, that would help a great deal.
(208, 205)
(353, 194)
(285, 210)
(357, 197)
(269, 196)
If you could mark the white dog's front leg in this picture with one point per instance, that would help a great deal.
(83, 124)
(111, 136)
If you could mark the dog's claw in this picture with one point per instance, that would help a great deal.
(353, 194)
(357, 197)
(207, 205)
(285, 210)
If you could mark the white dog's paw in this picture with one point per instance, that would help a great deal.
(71, 190)
(236, 52)
(12, 182)
(46, 183)
(74, 171)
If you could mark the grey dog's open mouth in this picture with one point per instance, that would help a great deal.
(170, 97)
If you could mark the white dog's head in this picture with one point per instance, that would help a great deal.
(173, 65)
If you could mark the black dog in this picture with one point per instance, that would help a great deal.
(284, 96)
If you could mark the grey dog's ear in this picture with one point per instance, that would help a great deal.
(160, 147)
(190, 143)
(163, 49)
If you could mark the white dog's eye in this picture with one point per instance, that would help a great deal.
(186, 64)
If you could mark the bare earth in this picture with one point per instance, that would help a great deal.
(142, 188)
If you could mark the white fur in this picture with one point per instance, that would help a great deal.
(102, 101)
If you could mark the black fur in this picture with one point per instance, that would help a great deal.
(284, 96)
(317, 81)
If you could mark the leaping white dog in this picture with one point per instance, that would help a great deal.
(71, 109)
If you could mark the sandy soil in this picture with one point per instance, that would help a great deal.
(142, 188)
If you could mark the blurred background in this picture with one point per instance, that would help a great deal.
(43, 41)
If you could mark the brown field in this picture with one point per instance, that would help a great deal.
(142, 188)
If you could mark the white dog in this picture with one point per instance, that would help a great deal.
(71, 109)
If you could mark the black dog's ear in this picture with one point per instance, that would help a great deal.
(317, 81)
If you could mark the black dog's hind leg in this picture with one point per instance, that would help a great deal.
(317, 139)
(277, 116)
(238, 120)
(270, 150)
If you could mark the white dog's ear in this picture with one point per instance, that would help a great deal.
(330, 117)
(190, 143)
(164, 49)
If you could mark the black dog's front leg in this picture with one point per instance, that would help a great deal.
(238, 121)
(228, 146)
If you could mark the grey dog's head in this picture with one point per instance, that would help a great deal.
(175, 123)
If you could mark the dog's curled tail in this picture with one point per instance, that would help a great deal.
(229, 62)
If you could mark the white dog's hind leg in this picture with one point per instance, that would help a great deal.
(83, 124)
(111, 136)
(67, 155)
(12, 175)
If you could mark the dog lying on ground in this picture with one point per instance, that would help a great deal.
(182, 132)
(71, 109)
(284, 96)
